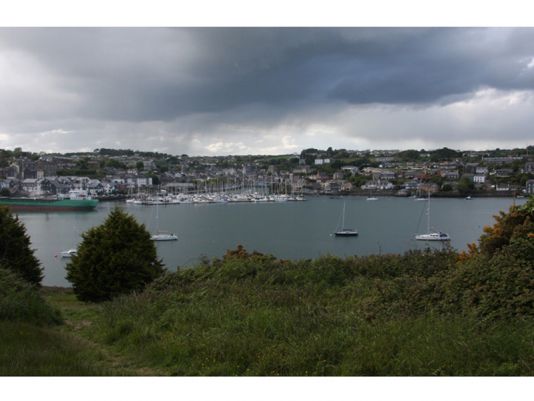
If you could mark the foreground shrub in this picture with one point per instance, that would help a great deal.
(15, 252)
(20, 301)
(117, 257)
(497, 286)
(518, 222)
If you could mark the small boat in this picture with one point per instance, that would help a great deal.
(371, 197)
(164, 237)
(468, 197)
(431, 236)
(345, 232)
(439, 236)
(68, 254)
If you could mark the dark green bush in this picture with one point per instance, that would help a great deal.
(497, 286)
(518, 222)
(117, 257)
(15, 252)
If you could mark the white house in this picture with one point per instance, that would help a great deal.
(144, 181)
(353, 169)
(479, 179)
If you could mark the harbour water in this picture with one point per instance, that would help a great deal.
(287, 229)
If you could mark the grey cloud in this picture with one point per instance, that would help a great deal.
(152, 74)
(181, 84)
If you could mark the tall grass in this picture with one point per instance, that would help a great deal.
(30, 344)
(20, 301)
(28, 350)
(257, 315)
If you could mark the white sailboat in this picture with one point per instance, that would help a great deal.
(68, 254)
(371, 197)
(431, 236)
(162, 235)
(345, 232)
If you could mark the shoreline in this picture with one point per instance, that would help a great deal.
(394, 194)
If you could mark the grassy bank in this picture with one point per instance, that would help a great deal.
(32, 344)
(256, 315)
(415, 314)
(47, 332)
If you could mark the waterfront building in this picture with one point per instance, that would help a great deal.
(479, 179)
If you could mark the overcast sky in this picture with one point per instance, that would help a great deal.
(265, 91)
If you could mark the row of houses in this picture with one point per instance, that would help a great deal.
(56, 185)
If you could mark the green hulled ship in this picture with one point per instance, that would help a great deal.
(48, 205)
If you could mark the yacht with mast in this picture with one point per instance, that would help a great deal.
(162, 235)
(431, 236)
(345, 232)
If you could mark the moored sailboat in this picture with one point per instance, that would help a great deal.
(162, 235)
(345, 232)
(431, 236)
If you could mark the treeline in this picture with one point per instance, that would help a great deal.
(130, 152)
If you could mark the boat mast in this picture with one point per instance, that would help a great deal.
(428, 214)
(157, 216)
(343, 218)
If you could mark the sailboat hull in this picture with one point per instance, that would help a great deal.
(164, 237)
(346, 233)
(433, 237)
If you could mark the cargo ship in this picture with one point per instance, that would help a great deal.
(48, 204)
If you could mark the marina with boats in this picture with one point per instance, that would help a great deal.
(162, 197)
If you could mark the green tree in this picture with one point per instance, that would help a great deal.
(444, 154)
(15, 252)
(117, 257)
(82, 164)
(465, 186)
(408, 155)
(515, 225)
(5, 192)
(139, 165)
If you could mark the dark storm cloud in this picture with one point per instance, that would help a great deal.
(153, 74)
(195, 88)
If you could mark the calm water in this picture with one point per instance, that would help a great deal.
(287, 230)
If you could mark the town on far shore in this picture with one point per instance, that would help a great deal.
(116, 173)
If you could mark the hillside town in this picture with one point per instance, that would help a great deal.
(112, 174)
